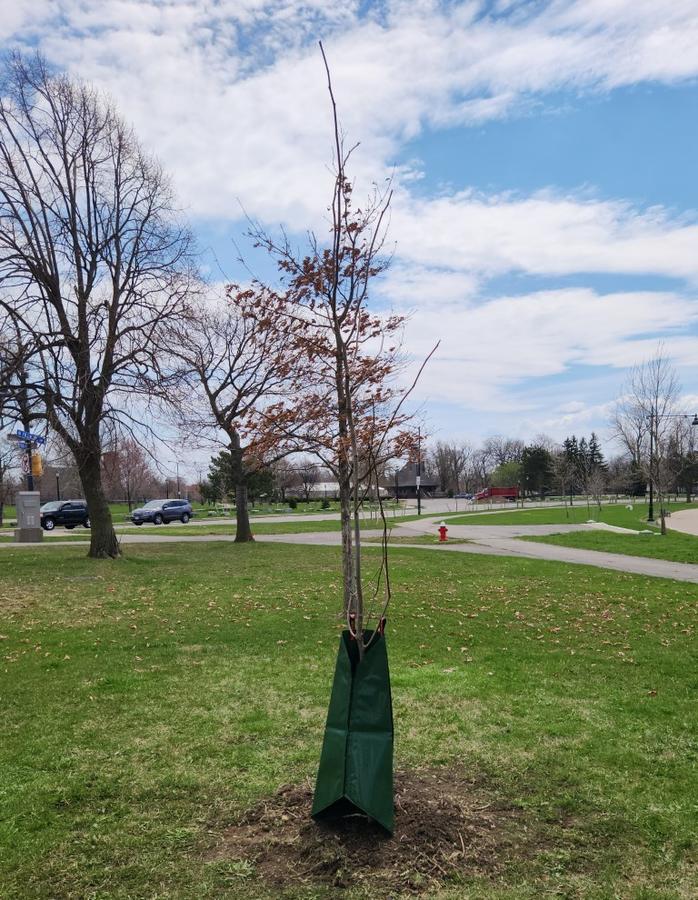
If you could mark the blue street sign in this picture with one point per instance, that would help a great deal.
(28, 436)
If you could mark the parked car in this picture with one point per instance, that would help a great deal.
(462, 496)
(68, 513)
(162, 511)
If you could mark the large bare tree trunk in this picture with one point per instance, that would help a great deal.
(243, 531)
(103, 541)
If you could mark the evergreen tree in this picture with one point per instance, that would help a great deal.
(536, 469)
(571, 451)
(595, 456)
(222, 478)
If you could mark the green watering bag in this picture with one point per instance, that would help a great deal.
(356, 764)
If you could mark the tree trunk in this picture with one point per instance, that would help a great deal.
(347, 541)
(103, 541)
(243, 531)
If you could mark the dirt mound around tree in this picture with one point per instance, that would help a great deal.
(445, 826)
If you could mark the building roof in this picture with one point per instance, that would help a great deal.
(407, 477)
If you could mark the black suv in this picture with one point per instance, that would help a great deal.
(64, 512)
(159, 511)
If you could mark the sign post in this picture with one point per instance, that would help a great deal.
(28, 502)
(26, 440)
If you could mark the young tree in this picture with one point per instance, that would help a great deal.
(644, 420)
(93, 263)
(350, 408)
(564, 469)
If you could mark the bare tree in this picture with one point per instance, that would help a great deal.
(127, 472)
(565, 472)
(644, 420)
(307, 475)
(8, 464)
(498, 450)
(236, 366)
(449, 462)
(683, 456)
(93, 262)
(285, 476)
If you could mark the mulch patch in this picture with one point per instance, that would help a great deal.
(446, 826)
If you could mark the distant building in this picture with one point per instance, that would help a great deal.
(322, 490)
(317, 491)
(403, 484)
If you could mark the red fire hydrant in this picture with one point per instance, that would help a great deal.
(443, 531)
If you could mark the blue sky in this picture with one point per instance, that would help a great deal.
(545, 214)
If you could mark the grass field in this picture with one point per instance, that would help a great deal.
(612, 513)
(146, 702)
(120, 511)
(672, 546)
(261, 527)
(62, 535)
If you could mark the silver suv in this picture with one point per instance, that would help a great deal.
(163, 511)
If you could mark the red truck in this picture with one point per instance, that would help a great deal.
(498, 494)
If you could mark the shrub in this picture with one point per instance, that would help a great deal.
(292, 502)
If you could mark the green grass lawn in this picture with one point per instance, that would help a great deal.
(259, 527)
(612, 513)
(145, 702)
(63, 535)
(120, 511)
(672, 546)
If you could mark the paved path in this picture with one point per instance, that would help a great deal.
(492, 545)
(686, 520)
(484, 539)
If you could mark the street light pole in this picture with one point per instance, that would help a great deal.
(58, 486)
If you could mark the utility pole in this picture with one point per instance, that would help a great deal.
(650, 511)
(419, 471)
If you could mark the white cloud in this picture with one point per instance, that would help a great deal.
(488, 350)
(231, 96)
(542, 235)
(232, 93)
